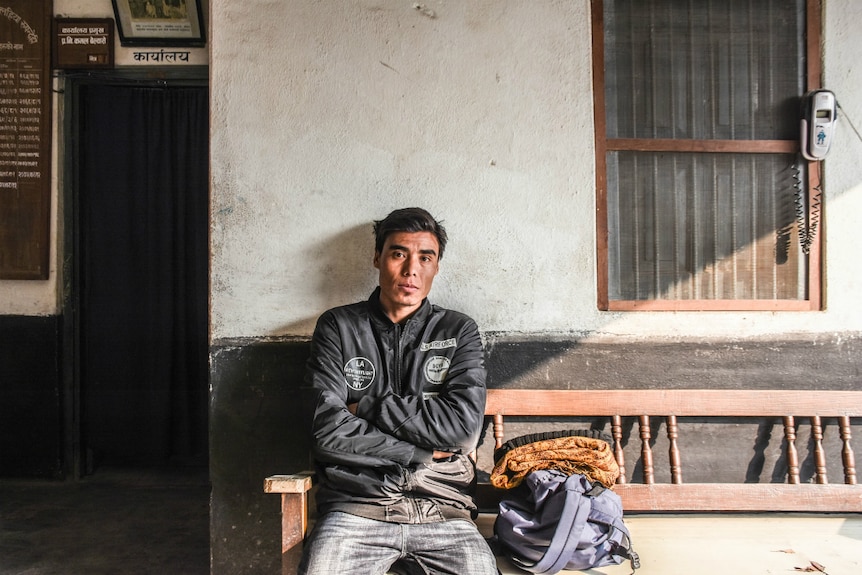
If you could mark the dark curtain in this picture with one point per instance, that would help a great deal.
(143, 213)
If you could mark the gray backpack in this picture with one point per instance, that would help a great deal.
(554, 521)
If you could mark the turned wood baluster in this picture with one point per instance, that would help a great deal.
(617, 431)
(819, 456)
(646, 450)
(847, 452)
(673, 450)
(792, 455)
(498, 430)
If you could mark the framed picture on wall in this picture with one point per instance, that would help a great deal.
(159, 22)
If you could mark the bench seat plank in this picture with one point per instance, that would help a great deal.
(725, 497)
(719, 497)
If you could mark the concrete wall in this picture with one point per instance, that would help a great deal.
(327, 115)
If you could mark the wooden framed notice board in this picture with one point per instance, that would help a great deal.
(25, 138)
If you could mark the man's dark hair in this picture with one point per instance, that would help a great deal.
(408, 220)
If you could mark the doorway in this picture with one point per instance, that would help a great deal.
(139, 273)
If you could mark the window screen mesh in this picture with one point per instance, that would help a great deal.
(704, 226)
(695, 225)
(704, 69)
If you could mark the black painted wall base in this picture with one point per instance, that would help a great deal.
(258, 424)
(257, 428)
(30, 407)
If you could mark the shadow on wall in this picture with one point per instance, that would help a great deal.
(341, 269)
(755, 445)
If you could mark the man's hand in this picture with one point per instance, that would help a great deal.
(351, 407)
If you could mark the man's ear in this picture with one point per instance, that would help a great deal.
(377, 259)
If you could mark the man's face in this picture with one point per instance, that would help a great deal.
(408, 263)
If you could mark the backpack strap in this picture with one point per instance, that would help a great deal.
(567, 534)
(622, 544)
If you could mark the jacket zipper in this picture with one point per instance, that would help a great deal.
(414, 512)
(399, 386)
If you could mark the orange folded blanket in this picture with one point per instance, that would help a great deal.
(590, 457)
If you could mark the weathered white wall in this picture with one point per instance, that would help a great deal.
(843, 169)
(35, 298)
(474, 110)
(327, 115)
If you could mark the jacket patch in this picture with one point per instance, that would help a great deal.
(439, 344)
(359, 373)
(436, 368)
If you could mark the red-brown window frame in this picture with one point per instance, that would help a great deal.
(604, 145)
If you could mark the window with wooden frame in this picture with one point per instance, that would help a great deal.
(703, 200)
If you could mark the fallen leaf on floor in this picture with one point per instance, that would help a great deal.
(814, 567)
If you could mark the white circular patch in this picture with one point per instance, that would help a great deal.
(359, 372)
(436, 369)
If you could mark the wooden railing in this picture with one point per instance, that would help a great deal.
(673, 405)
(650, 496)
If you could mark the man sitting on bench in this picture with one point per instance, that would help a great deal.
(399, 396)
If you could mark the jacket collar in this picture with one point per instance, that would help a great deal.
(374, 303)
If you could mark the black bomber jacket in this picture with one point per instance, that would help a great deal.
(419, 386)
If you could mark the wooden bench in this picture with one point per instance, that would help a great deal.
(672, 407)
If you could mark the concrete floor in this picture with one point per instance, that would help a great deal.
(113, 522)
(737, 544)
(120, 522)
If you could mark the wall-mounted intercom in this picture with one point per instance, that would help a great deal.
(818, 124)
